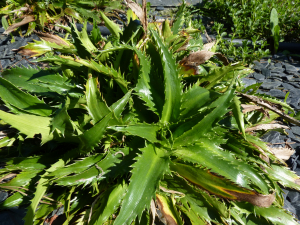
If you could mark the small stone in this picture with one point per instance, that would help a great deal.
(296, 130)
(266, 72)
(5, 63)
(277, 93)
(2, 30)
(293, 100)
(288, 77)
(18, 57)
(277, 74)
(160, 8)
(289, 69)
(277, 70)
(294, 85)
(272, 136)
(3, 196)
(293, 196)
(259, 77)
(247, 82)
(288, 87)
(104, 30)
(270, 85)
(288, 206)
(257, 66)
(279, 65)
(295, 79)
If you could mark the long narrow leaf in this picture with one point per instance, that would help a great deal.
(13, 95)
(171, 108)
(146, 174)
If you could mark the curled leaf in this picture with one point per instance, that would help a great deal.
(140, 12)
(208, 46)
(282, 153)
(250, 108)
(197, 58)
(266, 127)
(52, 38)
(26, 20)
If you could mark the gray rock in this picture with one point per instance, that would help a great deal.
(18, 57)
(247, 82)
(277, 70)
(279, 65)
(293, 100)
(270, 85)
(257, 66)
(288, 77)
(277, 93)
(288, 206)
(2, 30)
(290, 134)
(296, 130)
(277, 74)
(3, 196)
(266, 72)
(5, 63)
(289, 69)
(272, 137)
(17, 44)
(160, 8)
(259, 77)
(12, 216)
(288, 87)
(293, 196)
(297, 86)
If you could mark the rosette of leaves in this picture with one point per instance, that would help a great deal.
(50, 13)
(113, 133)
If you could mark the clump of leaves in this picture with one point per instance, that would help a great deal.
(123, 125)
(49, 13)
(253, 17)
(245, 53)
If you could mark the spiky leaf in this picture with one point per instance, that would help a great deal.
(146, 174)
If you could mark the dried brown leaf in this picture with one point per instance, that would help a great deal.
(208, 46)
(190, 69)
(249, 108)
(222, 58)
(207, 37)
(257, 199)
(52, 38)
(274, 108)
(20, 9)
(170, 191)
(282, 153)
(153, 211)
(166, 214)
(26, 20)
(197, 58)
(266, 127)
(140, 12)
(27, 52)
(11, 175)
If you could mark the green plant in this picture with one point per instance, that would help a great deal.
(119, 125)
(253, 17)
(244, 53)
(49, 13)
(275, 28)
